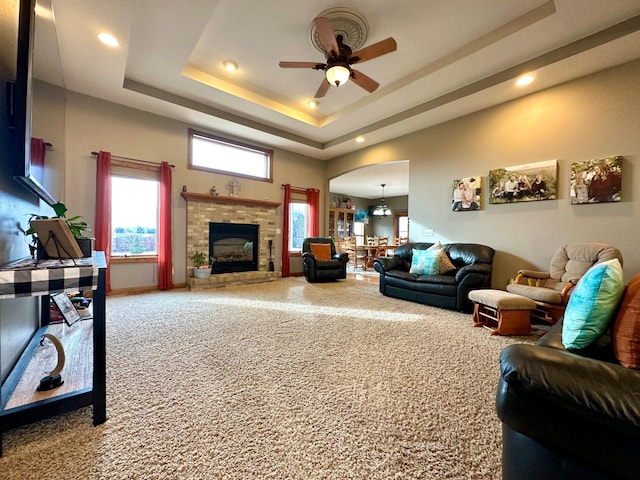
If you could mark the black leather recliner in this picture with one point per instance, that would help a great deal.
(323, 270)
(473, 262)
(568, 415)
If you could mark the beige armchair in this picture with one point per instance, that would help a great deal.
(551, 290)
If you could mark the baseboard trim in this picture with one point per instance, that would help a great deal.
(138, 290)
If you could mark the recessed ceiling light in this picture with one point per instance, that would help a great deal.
(524, 80)
(108, 39)
(359, 139)
(230, 66)
(312, 104)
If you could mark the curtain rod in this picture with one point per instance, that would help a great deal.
(133, 159)
(296, 188)
(48, 145)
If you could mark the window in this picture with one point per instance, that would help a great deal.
(134, 216)
(298, 224)
(403, 227)
(401, 223)
(215, 154)
(358, 231)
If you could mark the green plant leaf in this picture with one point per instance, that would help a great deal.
(60, 209)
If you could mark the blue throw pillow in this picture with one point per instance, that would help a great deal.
(425, 262)
(592, 304)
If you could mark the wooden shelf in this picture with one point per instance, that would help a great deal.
(205, 197)
(77, 372)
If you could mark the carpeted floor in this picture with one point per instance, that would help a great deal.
(281, 380)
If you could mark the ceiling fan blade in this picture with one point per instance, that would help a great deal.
(327, 36)
(363, 81)
(377, 49)
(299, 64)
(322, 89)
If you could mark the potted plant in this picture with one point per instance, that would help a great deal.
(201, 265)
(76, 225)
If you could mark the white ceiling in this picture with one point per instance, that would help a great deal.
(454, 57)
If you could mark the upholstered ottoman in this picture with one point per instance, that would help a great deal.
(502, 312)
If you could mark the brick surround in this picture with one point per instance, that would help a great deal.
(204, 208)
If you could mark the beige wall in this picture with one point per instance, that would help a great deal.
(93, 125)
(593, 117)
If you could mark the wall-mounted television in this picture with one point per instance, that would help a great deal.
(24, 171)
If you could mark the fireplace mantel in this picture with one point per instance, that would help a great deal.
(205, 197)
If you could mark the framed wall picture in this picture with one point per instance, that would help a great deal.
(466, 194)
(68, 311)
(524, 183)
(362, 215)
(596, 181)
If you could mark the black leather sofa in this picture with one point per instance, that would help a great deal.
(316, 270)
(568, 414)
(473, 262)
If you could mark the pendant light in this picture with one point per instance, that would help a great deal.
(382, 210)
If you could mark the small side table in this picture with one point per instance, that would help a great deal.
(502, 312)
(24, 279)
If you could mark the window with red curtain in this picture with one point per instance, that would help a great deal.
(143, 233)
(165, 261)
(286, 204)
(102, 228)
(301, 218)
(313, 200)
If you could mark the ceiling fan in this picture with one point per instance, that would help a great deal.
(340, 58)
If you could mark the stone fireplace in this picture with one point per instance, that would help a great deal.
(244, 226)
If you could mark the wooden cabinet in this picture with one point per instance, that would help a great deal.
(84, 345)
(341, 222)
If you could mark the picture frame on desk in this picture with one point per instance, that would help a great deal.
(67, 310)
(56, 238)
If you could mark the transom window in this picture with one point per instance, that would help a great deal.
(215, 154)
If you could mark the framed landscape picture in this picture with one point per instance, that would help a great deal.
(596, 181)
(466, 194)
(524, 183)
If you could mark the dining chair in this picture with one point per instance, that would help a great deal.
(357, 255)
(381, 251)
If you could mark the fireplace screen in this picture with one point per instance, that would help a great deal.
(234, 247)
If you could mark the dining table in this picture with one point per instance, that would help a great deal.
(370, 252)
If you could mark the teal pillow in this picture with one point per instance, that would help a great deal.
(425, 262)
(592, 304)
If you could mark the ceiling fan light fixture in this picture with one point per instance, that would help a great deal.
(338, 75)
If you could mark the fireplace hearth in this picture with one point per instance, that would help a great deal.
(234, 246)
